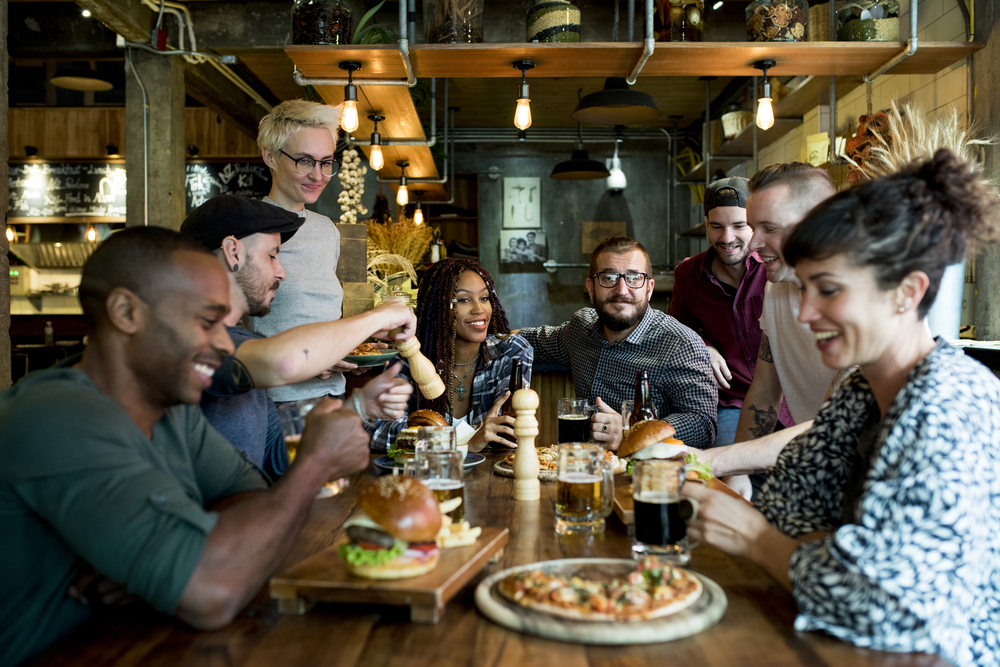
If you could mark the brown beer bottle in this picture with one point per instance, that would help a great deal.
(642, 408)
(516, 382)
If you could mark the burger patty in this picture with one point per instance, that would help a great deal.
(371, 535)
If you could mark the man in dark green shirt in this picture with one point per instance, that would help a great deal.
(109, 466)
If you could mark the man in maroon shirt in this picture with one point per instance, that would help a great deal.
(720, 293)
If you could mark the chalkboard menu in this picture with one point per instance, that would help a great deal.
(205, 180)
(67, 190)
(48, 192)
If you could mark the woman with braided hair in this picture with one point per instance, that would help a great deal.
(463, 330)
(879, 519)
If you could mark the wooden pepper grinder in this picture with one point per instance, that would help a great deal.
(421, 369)
(526, 485)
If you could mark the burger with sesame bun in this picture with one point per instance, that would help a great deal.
(393, 535)
(654, 439)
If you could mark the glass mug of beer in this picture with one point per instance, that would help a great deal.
(585, 488)
(438, 438)
(661, 512)
(443, 473)
(292, 416)
(574, 420)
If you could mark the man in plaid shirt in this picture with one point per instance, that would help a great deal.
(605, 346)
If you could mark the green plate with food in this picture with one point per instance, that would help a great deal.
(369, 360)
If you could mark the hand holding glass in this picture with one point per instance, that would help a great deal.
(293, 420)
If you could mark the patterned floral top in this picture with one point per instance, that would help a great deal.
(918, 568)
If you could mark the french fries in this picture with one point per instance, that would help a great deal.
(455, 534)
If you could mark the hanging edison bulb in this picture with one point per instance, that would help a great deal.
(92, 234)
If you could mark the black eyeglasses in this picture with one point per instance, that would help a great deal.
(304, 165)
(633, 279)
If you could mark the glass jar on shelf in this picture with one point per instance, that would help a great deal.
(454, 21)
(777, 20)
(553, 21)
(322, 22)
(678, 20)
(868, 21)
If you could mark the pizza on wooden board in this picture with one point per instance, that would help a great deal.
(548, 459)
(651, 590)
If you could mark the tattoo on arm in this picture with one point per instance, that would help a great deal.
(763, 421)
(241, 376)
(306, 352)
(765, 350)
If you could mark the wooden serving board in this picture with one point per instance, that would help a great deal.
(705, 612)
(624, 504)
(323, 577)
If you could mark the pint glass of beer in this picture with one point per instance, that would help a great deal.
(292, 416)
(585, 487)
(574, 420)
(661, 512)
(444, 475)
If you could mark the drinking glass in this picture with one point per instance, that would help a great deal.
(443, 472)
(574, 420)
(661, 511)
(293, 419)
(627, 406)
(585, 487)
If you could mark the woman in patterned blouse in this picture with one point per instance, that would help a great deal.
(879, 518)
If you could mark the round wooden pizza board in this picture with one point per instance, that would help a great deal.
(705, 612)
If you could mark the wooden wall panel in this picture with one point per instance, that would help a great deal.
(73, 132)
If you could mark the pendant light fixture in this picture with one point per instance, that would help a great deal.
(616, 181)
(579, 167)
(81, 78)
(349, 118)
(375, 158)
(11, 234)
(617, 104)
(92, 234)
(522, 114)
(765, 112)
(418, 214)
(402, 195)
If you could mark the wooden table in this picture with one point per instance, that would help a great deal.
(756, 630)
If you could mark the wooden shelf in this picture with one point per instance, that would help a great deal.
(617, 58)
(697, 175)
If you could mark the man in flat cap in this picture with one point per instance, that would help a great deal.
(720, 293)
(246, 235)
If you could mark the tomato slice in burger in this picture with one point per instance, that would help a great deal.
(425, 547)
(370, 546)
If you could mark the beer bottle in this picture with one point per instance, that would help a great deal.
(516, 382)
(642, 408)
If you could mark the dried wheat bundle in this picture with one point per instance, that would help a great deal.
(403, 238)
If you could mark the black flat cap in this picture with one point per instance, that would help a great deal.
(232, 215)
(731, 191)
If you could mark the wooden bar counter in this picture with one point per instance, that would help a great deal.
(756, 629)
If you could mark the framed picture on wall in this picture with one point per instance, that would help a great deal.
(523, 246)
(522, 203)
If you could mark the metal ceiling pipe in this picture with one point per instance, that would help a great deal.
(911, 47)
(448, 159)
(433, 138)
(647, 49)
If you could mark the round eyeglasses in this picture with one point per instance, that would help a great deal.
(304, 165)
(633, 279)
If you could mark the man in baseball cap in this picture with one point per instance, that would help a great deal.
(246, 236)
(719, 293)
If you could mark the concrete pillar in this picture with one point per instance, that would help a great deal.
(4, 154)
(163, 78)
(986, 114)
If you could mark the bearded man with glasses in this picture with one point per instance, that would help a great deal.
(297, 141)
(605, 345)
